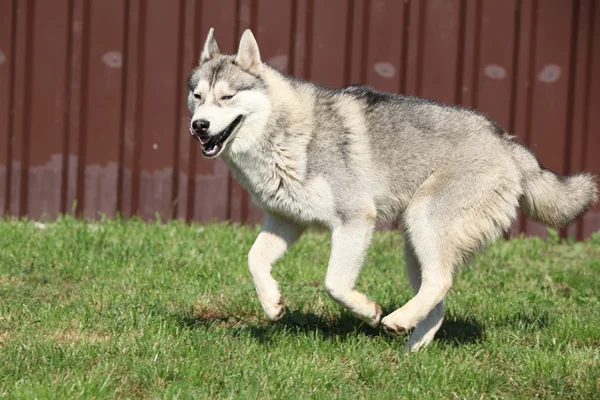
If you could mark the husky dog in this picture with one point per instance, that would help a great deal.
(346, 158)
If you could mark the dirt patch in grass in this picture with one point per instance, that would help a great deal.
(3, 337)
(72, 336)
(220, 314)
(11, 280)
(133, 390)
(67, 336)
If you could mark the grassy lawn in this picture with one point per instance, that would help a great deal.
(136, 310)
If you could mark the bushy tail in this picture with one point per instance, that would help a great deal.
(550, 198)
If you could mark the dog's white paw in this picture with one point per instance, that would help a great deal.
(272, 302)
(274, 312)
(273, 306)
(397, 323)
(374, 317)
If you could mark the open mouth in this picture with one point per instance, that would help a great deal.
(213, 145)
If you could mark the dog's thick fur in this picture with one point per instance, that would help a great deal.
(346, 158)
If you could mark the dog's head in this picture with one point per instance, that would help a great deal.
(227, 97)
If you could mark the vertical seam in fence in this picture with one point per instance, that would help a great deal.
(365, 41)
(515, 66)
(236, 32)
(139, 107)
(83, 109)
(420, 49)
(571, 87)
(292, 56)
(461, 51)
(11, 108)
(123, 121)
(67, 128)
(310, 7)
(24, 195)
(570, 96)
(530, 78)
(178, 98)
(348, 44)
(476, 55)
(405, 35)
(253, 16)
(587, 97)
(514, 82)
(530, 70)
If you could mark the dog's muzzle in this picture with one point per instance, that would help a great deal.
(212, 145)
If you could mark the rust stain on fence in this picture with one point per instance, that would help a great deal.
(92, 93)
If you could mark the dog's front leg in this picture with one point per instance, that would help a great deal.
(276, 236)
(349, 243)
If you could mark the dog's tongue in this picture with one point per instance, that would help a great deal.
(211, 150)
(202, 139)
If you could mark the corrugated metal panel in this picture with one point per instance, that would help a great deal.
(92, 93)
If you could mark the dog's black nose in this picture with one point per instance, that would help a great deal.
(200, 126)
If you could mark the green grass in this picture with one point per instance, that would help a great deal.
(146, 310)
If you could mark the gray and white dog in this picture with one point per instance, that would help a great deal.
(346, 158)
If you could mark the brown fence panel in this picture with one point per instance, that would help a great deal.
(75, 102)
(547, 106)
(439, 50)
(7, 23)
(93, 106)
(20, 90)
(47, 102)
(133, 75)
(162, 93)
(102, 113)
(588, 98)
(384, 56)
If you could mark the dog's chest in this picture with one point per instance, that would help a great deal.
(282, 189)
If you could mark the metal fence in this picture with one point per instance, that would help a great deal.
(93, 101)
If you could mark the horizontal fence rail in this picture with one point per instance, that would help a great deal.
(93, 114)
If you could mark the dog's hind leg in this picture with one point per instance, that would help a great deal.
(425, 330)
(349, 243)
(453, 214)
(276, 236)
(436, 277)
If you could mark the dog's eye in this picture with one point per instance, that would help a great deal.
(228, 97)
(197, 96)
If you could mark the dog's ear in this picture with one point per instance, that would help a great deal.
(211, 48)
(248, 56)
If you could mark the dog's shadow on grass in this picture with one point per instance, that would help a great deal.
(456, 329)
(301, 323)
